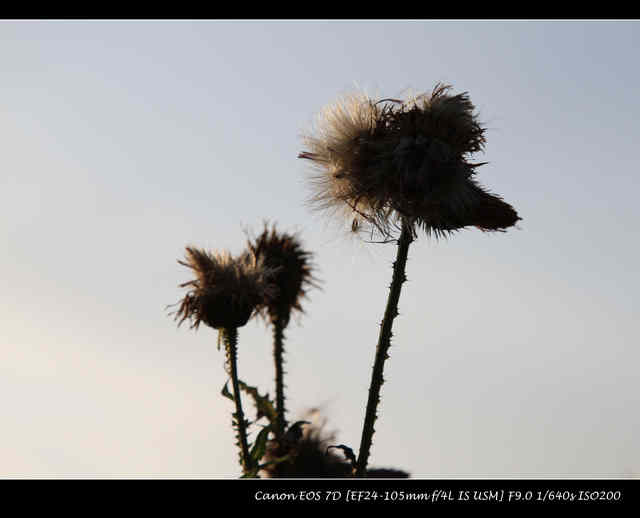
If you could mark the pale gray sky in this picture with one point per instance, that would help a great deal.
(515, 354)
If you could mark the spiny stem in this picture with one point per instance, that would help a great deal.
(384, 341)
(231, 346)
(278, 353)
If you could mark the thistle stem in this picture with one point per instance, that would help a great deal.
(231, 346)
(384, 342)
(278, 353)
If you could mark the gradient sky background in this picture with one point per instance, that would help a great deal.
(515, 354)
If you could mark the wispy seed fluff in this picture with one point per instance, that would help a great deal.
(382, 161)
(294, 270)
(226, 290)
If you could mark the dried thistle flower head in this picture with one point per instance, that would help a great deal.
(312, 455)
(389, 160)
(308, 457)
(226, 290)
(284, 253)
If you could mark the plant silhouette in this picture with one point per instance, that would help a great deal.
(392, 168)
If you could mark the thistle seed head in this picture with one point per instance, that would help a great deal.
(226, 290)
(308, 457)
(390, 160)
(311, 456)
(294, 271)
